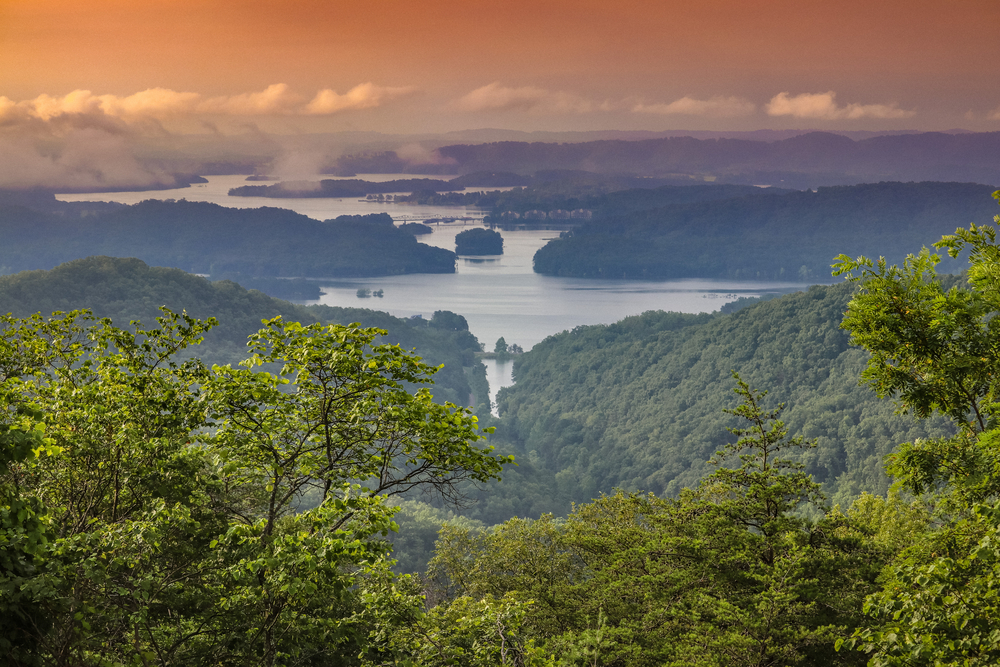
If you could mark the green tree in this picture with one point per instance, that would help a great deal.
(938, 351)
(25, 536)
(214, 516)
(501, 346)
(730, 573)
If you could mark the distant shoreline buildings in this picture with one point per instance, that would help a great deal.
(557, 214)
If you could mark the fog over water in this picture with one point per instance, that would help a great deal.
(499, 295)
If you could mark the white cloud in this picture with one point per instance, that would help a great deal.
(155, 102)
(497, 97)
(715, 107)
(158, 103)
(823, 106)
(362, 96)
(275, 99)
(78, 102)
(89, 159)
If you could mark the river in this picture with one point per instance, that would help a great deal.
(499, 296)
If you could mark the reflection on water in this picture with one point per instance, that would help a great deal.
(216, 191)
(498, 295)
(500, 374)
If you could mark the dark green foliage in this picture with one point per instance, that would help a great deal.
(604, 195)
(154, 507)
(128, 289)
(210, 239)
(295, 289)
(743, 302)
(479, 241)
(936, 349)
(415, 228)
(790, 237)
(449, 321)
(24, 531)
(727, 574)
(419, 524)
(638, 404)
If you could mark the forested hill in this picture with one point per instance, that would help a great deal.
(792, 236)
(129, 289)
(804, 161)
(638, 404)
(207, 238)
(603, 195)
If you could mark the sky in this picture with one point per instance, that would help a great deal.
(439, 65)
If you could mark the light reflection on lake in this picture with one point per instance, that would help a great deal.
(503, 296)
(498, 295)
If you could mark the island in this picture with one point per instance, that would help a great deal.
(479, 241)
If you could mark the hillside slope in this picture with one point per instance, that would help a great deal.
(791, 236)
(638, 404)
(129, 289)
(211, 239)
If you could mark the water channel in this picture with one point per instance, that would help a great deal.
(498, 295)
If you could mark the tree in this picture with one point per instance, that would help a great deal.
(479, 242)
(224, 515)
(500, 349)
(25, 534)
(729, 573)
(445, 319)
(777, 574)
(938, 351)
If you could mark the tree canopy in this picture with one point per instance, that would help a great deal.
(163, 512)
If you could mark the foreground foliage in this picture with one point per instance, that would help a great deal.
(938, 351)
(726, 574)
(126, 289)
(161, 512)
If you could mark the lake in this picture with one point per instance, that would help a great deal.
(499, 295)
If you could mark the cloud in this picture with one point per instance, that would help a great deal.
(88, 159)
(276, 99)
(714, 107)
(497, 97)
(362, 96)
(160, 103)
(823, 106)
(993, 115)
(299, 165)
(83, 141)
(155, 102)
(415, 153)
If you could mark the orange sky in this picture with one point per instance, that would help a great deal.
(540, 64)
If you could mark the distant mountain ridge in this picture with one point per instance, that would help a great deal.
(801, 161)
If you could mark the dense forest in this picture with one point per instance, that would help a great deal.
(791, 236)
(129, 289)
(637, 405)
(729, 500)
(210, 239)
